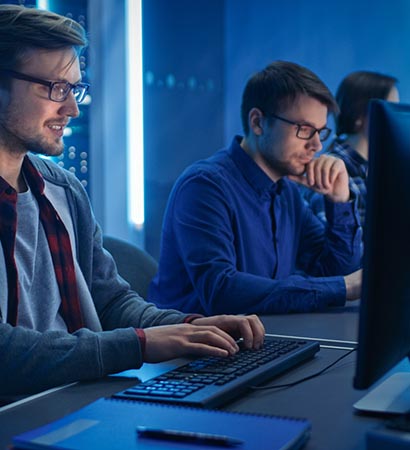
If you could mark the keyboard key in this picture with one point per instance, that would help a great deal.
(212, 381)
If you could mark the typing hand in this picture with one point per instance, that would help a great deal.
(328, 176)
(173, 341)
(249, 328)
(213, 336)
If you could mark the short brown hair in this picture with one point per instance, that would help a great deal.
(280, 83)
(23, 29)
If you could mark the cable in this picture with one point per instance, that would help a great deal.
(294, 383)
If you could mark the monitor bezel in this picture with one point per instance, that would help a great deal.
(383, 338)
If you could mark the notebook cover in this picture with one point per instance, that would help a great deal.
(110, 424)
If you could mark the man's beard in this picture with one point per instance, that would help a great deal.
(37, 147)
(281, 168)
(18, 144)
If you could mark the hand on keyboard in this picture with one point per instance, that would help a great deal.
(211, 380)
(211, 336)
(248, 328)
(173, 341)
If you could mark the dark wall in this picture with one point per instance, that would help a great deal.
(332, 38)
(199, 54)
(183, 53)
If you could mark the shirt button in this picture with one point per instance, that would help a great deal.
(9, 191)
(346, 213)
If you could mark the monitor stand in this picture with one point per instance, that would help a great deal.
(390, 396)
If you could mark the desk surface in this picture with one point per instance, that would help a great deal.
(337, 323)
(325, 400)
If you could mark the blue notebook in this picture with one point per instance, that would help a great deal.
(110, 424)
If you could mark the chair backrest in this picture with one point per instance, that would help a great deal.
(134, 264)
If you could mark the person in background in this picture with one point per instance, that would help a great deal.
(351, 142)
(237, 235)
(65, 313)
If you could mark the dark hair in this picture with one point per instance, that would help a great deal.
(23, 29)
(353, 95)
(278, 85)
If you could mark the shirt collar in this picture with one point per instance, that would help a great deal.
(253, 174)
(33, 178)
(5, 188)
(351, 152)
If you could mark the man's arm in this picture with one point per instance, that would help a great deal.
(202, 224)
(354, 285)
(34, 361)
(337, 248)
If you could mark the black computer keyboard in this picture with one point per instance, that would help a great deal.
(212, 381)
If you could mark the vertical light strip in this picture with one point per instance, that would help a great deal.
(42, 4)
(135, 121)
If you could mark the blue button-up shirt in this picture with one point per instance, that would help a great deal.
(234, 241)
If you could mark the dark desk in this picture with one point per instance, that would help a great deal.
(336, 323)
(325, 400)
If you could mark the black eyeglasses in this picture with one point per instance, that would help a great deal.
(57, 90)
(305, 131)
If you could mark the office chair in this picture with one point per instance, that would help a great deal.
(134, 264)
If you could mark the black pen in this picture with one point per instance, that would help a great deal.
(188, 436)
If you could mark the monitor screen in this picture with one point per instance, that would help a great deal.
(384, 323)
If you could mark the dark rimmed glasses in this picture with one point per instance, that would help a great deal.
(57, 90)
(305, 131)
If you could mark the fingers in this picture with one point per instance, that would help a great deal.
(258, 330)
(328, 176)
(249, 328)
(212, 336)
(322, 172)
(173, 341)
(252, 331)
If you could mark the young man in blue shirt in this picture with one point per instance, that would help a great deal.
(237, 236)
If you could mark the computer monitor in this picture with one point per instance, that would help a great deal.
(384, 323)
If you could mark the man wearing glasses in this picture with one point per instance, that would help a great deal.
(65, 314)
(237, 237)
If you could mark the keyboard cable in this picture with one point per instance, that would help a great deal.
(313, 375)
